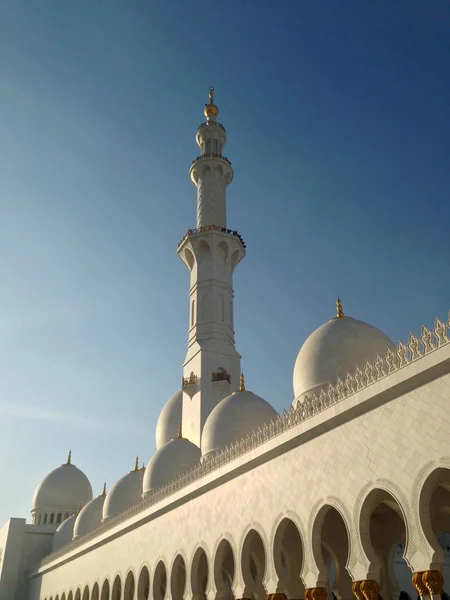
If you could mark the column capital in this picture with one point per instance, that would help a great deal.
(316, 593)
(367, 589)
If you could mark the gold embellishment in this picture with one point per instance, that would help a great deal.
(211, 108)
(356, 589)
(136, 464)
(69, 459)
(339, 311)
(418, 583)
(180, 431)
(434, 582)
(104, 489)
(317, 593)
(370, 589)
(242, 387)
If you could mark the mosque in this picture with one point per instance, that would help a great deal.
(346, 494)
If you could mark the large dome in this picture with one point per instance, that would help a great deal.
(335, 349)
(63, 534)
(169, 419)
(125, 492)
(90, 516)
(65, 488)
(233, 418)
(169, 461)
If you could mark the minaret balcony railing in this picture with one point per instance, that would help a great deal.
(211, 155)
(212, 228)
(191, 380)
(209, 123)
(221, 376)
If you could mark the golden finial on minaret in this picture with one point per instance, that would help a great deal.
(211, 109)
(136, 464)
(339, 311)
(242, 383)
(104, 489)
(69, 458)
(180, 431)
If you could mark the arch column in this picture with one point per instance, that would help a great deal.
(429, 584)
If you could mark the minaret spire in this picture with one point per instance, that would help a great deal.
(211, 252)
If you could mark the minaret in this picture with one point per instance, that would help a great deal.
(211, 370)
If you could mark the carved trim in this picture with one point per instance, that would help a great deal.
(318, 402)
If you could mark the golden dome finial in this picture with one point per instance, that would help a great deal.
(242, 383)
(180, 431)
(211, 109)
(104, 490)
(339, 311)
(136, 464)
(69, 458)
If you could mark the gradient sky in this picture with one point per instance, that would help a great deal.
(339, 134)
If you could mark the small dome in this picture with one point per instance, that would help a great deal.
(169, 418)
(90, 516)
(64, 533)
(65, 488)
(169, 461)
(233, 418)
(336, 348)
(125, 492)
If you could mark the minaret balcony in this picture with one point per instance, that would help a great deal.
(190, 384)
(211, 155)
(197, 230)
(221, 378)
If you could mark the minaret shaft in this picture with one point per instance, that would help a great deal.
(211, 369)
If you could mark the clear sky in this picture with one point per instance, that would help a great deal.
(338, 126)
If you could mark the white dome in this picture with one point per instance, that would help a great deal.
(169, 461)
(64, 533)
(125, 492)
(169, 419)
(90, 517)
(65, 488)
(233, 418)
(335, 349)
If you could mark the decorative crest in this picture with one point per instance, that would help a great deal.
(339, 311)
(104, 489)
(136, 464)
(242, 383)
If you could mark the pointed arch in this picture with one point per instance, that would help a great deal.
(143, 592)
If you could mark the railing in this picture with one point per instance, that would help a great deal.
(221, 376)
(210, 123)
(417, 347)
(212, 228)
(211, 155)
(191, 380)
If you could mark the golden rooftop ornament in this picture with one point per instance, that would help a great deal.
(242, 383)
(136, 464)
(69, 458)
(211, 108)
(339, 311)
(180, 431)
(104, 489)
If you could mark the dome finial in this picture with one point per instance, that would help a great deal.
(104, 490)
(69, 458)
(136, 464)
(339, 311)
(180, 431)
(211, 110)
(242, 383)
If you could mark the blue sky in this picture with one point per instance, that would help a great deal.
(338, 131)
